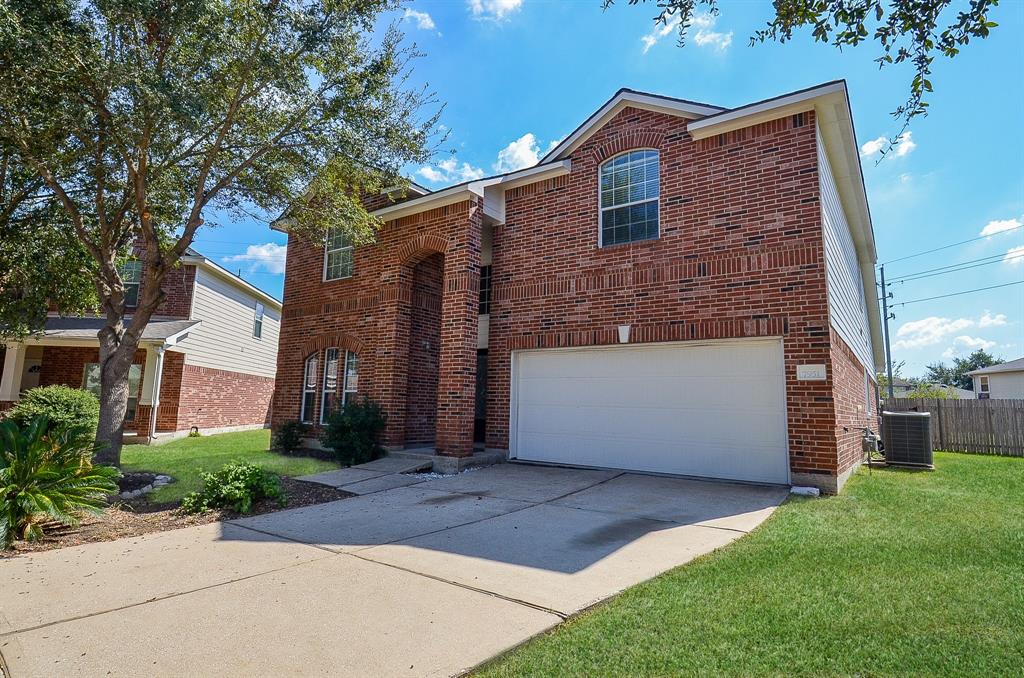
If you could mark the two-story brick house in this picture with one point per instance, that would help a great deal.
(675, 288)
(206, 358)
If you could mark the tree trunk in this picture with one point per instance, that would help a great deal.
(115, 362)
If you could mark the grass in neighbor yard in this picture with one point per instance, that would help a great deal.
(905, 573)
(186, 458)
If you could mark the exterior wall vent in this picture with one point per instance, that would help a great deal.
(908, 439)
(798, 120)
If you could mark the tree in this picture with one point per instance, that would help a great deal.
(924, 390)
(956, 375)
(906, 30)
(136, 120)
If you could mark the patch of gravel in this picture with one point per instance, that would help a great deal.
(137, 516)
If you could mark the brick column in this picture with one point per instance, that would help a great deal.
(392, 354)
(456, 389)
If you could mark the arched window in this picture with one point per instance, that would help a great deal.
(346, 382)
(629, 197)
(309, 379)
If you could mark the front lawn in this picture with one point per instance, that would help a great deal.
(905, 573)
(186, 458)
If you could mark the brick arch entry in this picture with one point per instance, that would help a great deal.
(341, 340)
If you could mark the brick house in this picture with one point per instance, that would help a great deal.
(675, 288)
(206, 358)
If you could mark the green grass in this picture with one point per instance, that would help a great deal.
(186, 458)
(905, 573)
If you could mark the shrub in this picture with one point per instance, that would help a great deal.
(288, 436)
(237, 486)
(63, 406)
(354, 431)
(46, 473)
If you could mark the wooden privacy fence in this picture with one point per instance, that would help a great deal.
(982, 426)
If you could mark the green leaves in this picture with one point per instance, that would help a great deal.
(236, 486)
(48, 476)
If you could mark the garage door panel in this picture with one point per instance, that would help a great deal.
(708, 410)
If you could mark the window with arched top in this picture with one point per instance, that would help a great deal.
(629, 197)
(310, 374)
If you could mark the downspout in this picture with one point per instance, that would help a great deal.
(158, 372)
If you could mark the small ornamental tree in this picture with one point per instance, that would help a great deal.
(124, 124)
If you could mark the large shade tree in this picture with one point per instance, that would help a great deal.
(130, 122)
(906, 31)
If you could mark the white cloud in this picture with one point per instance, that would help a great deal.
(989, 320)
(1000, 225)
(904, 145)
(973, 343)
(423, 20)
(269, 257)
(449, 171)
(1015, 255)
(928, 331)
(658, 32)
(493, 10)
(705, 37)
(523, 152)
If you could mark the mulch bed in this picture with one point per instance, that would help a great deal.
(138, 516)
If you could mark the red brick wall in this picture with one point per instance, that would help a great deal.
(211, 398)
(424, 351)
(371, 313)
(853, 411)
(740, 254)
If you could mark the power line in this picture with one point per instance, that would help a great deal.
(955, 268)
(956, 294)
(956, 244)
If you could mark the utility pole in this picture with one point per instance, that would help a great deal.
(885, 324)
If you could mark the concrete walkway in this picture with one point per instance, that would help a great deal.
(424, 580)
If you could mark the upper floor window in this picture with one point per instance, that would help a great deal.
(983, 384)
(257, 325)
(131, 276)
(485, 290)
(629, 198)
(337, 255)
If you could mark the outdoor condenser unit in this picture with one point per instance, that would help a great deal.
(908, 438)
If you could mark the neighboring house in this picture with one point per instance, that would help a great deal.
(901, 388)
(211, 348)
(675, 288)
(999, 382)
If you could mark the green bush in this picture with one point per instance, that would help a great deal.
(63, 406)
(353, 432)
(237, 486)
(289, 435)
(46, 473)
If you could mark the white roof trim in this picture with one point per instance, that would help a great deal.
(762, 111)
(179, 336)
(460, 192)
(626, 98)
(217, 269)
(412, 188)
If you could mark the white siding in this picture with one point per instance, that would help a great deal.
(847, 307)
(224, 340)
(1003, 385)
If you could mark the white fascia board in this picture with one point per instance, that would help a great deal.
(218, 270)
(414, 189)
(763, 111)
(448, 196)
(528, 175)
(181, 335)
(683, 109)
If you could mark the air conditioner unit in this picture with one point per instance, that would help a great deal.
(907, 437)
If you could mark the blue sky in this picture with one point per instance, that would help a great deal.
(518, 75)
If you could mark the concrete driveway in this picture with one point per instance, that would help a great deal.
(427, 579)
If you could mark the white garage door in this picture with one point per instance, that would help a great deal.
(715, 410)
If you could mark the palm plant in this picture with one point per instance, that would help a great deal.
(48, 476)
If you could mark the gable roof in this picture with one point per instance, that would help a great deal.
(1011, 366)
(684, 108)
(196, 259)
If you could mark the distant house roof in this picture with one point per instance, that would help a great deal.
(89, 327)
(1011, 366)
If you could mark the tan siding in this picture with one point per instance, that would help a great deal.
(224, 341)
